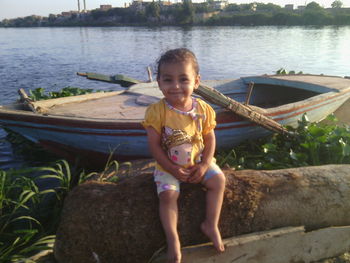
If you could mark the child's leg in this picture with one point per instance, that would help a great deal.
(215, 192)
(169, 215)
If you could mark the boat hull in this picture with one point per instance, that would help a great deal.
(96, 140)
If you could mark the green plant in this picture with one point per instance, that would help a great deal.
(39, 93)
(111, 169)
(283, 71)
(20, 231)
(63, 173)
(29, 216)
(313, 144)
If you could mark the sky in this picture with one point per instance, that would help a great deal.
(21, 8)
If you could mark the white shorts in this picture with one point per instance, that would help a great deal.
(165, 181)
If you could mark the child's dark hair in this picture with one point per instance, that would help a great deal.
(178, 55)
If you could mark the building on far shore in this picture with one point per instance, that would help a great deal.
(218, 5)
(69, 13)
(289, 7)
(105, 7)
(139, 5)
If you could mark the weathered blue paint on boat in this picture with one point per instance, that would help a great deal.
(96, 137)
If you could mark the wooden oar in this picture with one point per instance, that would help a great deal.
(122, 80)
(214, 96)
(210, 94)
(26, 100)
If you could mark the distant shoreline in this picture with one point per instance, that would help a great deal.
(159, 14)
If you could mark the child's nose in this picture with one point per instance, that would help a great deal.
(176, 84)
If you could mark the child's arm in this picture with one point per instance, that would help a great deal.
(199, 169)
(154, 142)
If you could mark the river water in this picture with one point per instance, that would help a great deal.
(50, 57)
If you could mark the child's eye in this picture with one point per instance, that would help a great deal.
(184, 79)
(189, 153)
(176, 152)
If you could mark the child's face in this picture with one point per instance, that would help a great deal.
(177, 81)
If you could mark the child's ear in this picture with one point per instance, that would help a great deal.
(197, 81)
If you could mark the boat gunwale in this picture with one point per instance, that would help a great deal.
(42, 119)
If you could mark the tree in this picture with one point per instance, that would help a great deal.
(268, 7)
(153, 10)
(186, 13)
(5, 22)
(246, 7)
(204, 7)
(52, 18)
(337, 4)
(313, 6)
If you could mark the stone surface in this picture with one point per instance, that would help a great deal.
(283, 245)
(119, 222)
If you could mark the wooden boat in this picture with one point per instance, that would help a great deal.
(96, 125)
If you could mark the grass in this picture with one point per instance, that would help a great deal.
(29, 215)
(22, 231)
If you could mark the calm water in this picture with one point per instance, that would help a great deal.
(49, 57)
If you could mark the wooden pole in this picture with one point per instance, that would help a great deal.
(26, 100)
(250, 90)
(214, 96)
(149, 72)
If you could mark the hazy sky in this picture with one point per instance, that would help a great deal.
(21, 8)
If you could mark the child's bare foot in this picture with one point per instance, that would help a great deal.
(214, 235)
(174, 253)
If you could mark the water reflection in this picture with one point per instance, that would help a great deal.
(49, 57)
(8, 159)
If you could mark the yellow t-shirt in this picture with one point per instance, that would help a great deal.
(196, 123)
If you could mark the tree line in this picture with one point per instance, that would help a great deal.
(188, 13)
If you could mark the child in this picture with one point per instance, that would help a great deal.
(191, 121)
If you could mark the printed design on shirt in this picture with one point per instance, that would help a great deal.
(179, 146)
(192, 113)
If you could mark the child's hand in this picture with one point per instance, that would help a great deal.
(197, 173)
(181, 174)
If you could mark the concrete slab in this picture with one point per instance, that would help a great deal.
(288, 244)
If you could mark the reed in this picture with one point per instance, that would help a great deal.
(29, 216)
(29, 211)
(21, 232)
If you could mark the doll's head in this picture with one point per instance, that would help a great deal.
(178, 145)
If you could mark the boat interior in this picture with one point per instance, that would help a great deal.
(270, 96)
